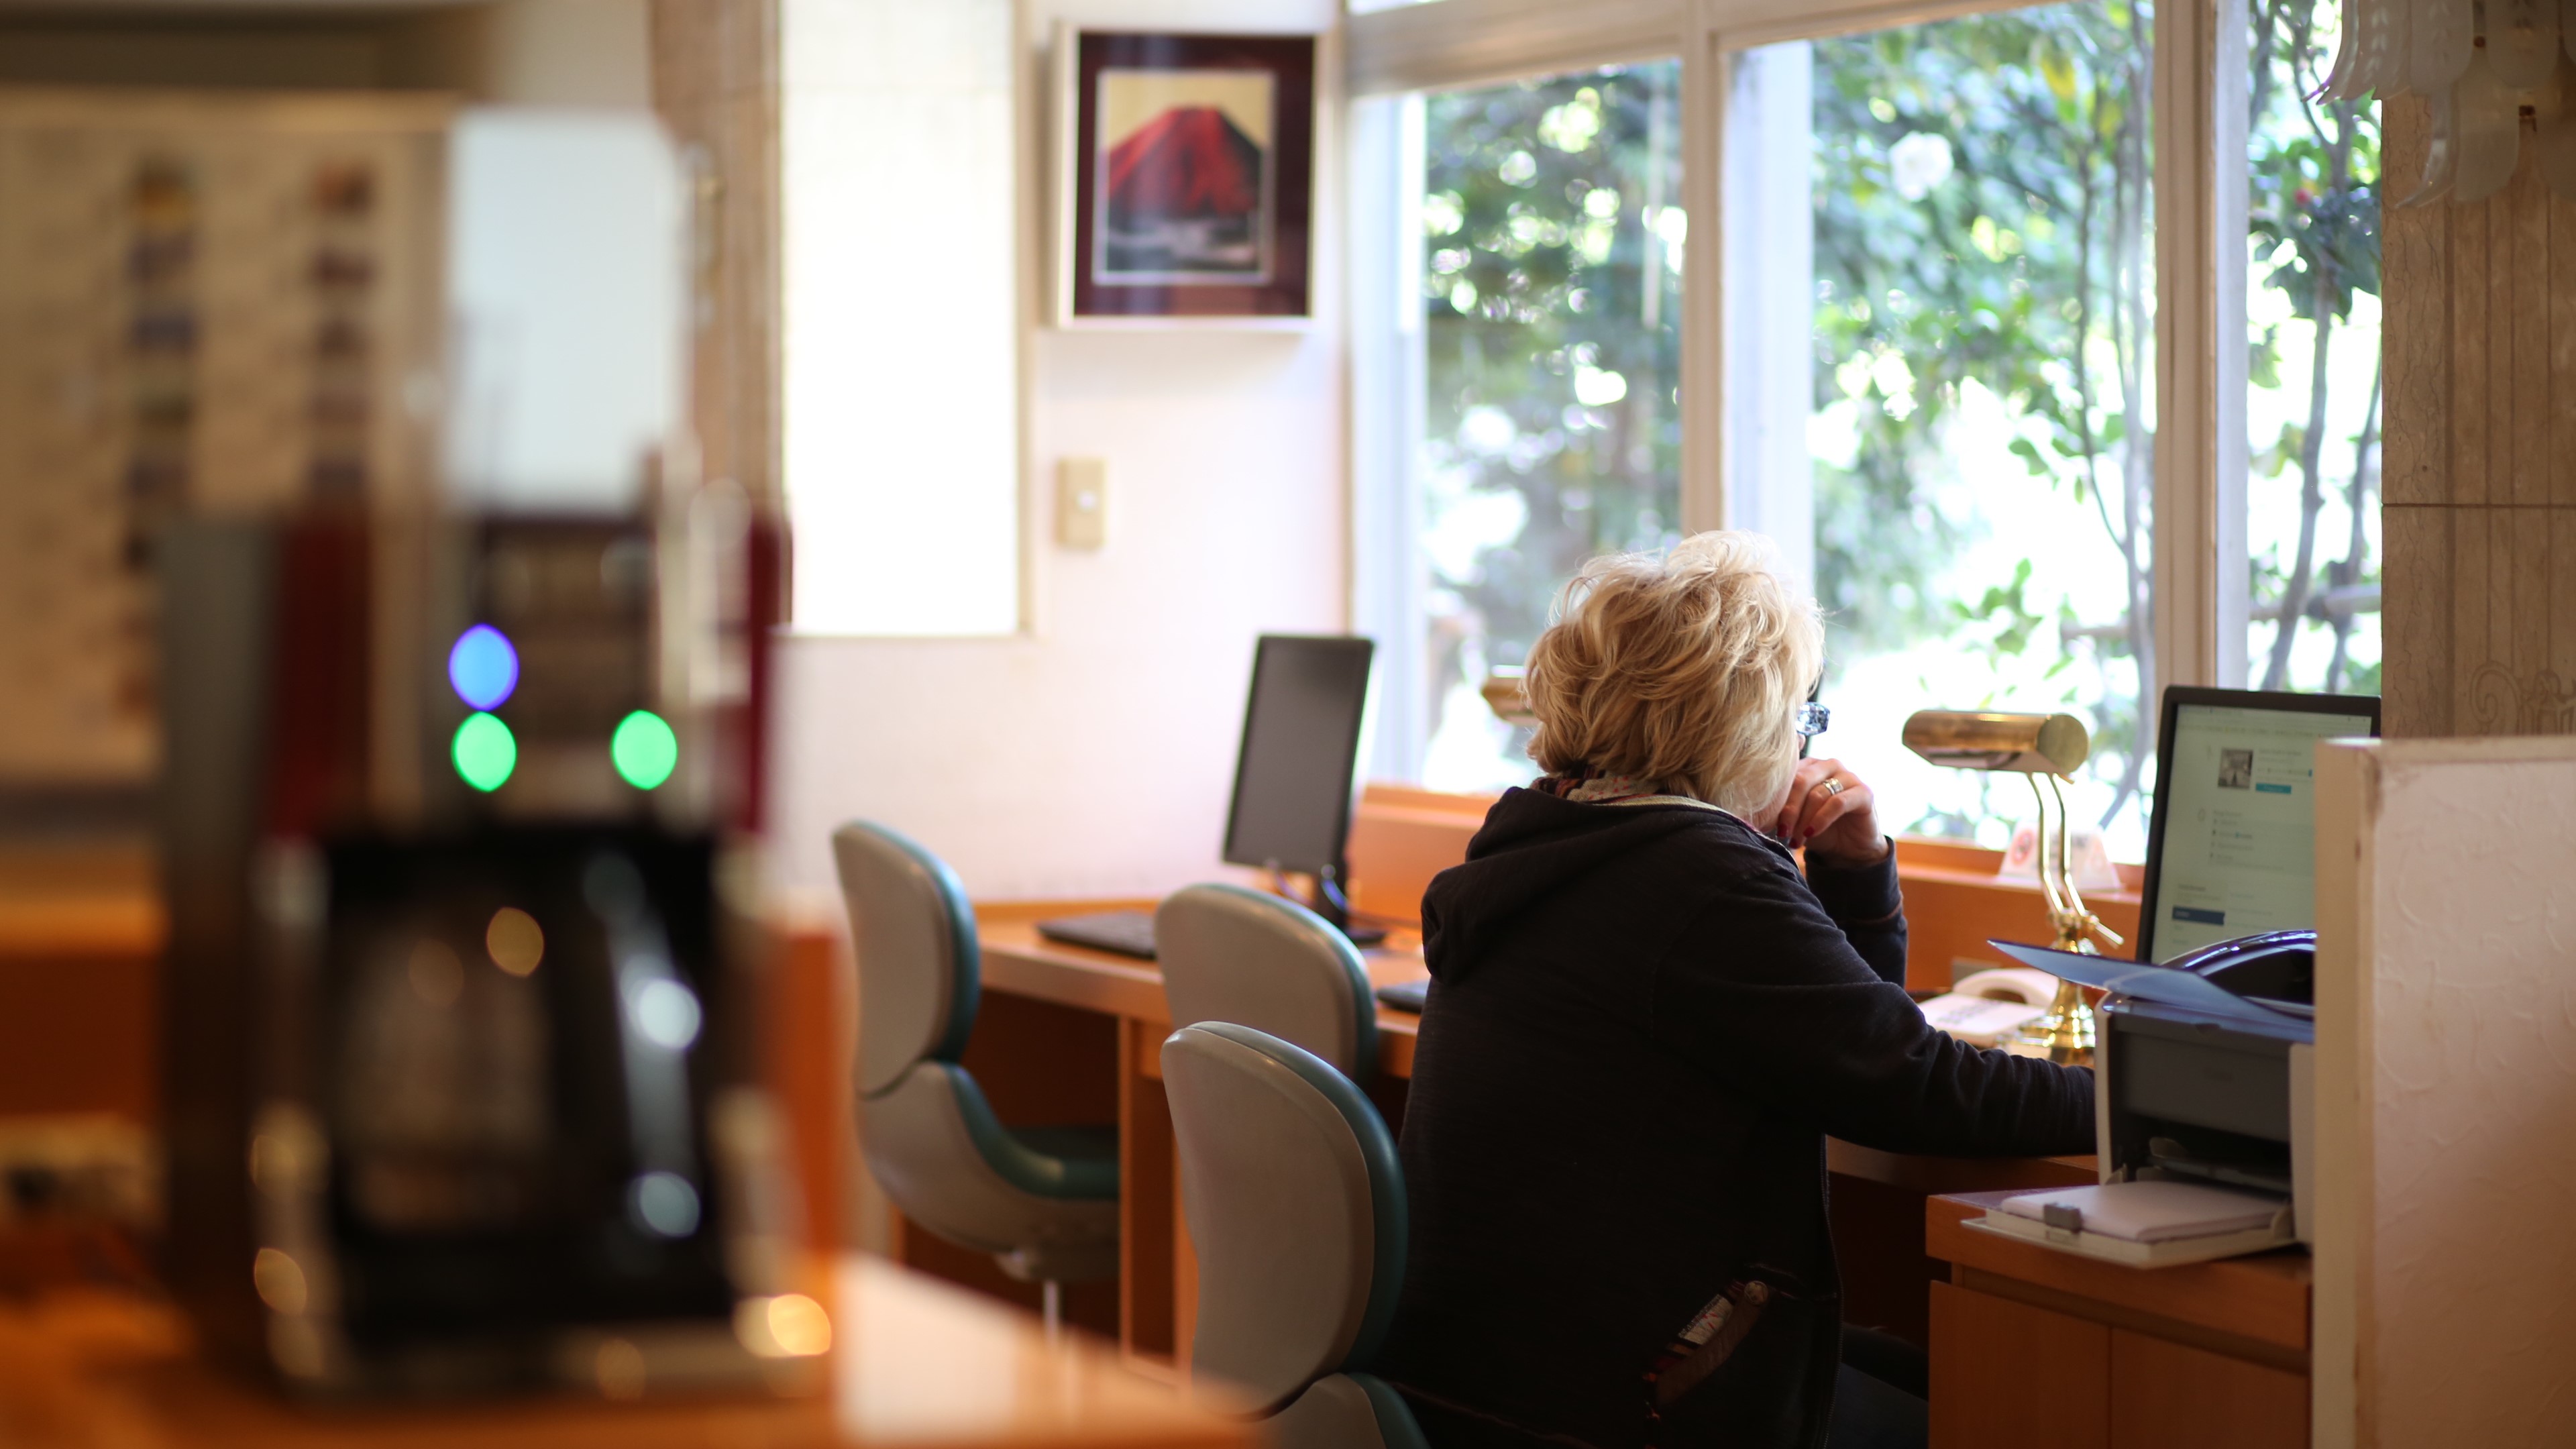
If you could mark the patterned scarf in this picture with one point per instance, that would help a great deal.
(1591, 789)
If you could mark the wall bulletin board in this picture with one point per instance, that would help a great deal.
(218, 304)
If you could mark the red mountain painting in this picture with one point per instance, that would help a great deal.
(1183, 194)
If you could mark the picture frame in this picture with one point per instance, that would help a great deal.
(1184, 182)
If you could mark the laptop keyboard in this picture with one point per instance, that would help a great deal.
(1129, 933)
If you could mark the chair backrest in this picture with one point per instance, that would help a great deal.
(1231, 954)
(1295, 1204)
(919, 974)
(1346, 1411)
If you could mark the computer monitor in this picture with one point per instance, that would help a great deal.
(2231, 844)
(1301, 742)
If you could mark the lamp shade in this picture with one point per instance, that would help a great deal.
(1507, 697)
(2481, 68)
(2030, 744)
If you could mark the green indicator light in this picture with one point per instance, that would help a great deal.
(484, 751)
(644, 749)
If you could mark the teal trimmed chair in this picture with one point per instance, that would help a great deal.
(1295, 1203)
(1258, 960)
(1042, 1201)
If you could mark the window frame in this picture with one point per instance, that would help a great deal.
(2199, 97)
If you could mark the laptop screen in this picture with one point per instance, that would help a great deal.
(2233, 849)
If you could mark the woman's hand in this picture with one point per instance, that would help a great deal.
(1832, 814)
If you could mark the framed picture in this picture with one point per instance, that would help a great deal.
(1185, 177)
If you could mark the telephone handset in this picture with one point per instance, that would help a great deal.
(1985, 1008)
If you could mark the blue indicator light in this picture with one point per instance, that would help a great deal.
(483, 667)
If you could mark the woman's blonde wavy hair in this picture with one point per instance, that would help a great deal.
(1680, 669)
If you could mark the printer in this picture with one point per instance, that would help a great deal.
(2204, 1064)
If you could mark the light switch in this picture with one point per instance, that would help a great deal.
(1081, 502)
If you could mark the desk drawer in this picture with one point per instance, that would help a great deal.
(2009, 1373)
(2005, 1372)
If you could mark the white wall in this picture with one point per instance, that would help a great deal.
(901, 332)
(1092, 755)
(2446, 1092)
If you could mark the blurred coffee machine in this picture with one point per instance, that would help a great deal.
(462, 784)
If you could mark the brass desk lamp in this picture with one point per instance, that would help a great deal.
(2032, 745)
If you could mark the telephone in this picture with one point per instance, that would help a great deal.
(1985, 1009)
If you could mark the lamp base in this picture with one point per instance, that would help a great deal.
(2065, 1034)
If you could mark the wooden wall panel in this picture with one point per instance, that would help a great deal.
(2480, 466)
(715, 83)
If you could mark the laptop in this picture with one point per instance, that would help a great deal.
(2231, 840)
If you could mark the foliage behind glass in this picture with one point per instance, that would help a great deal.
(1984, 431)
(1552, 279)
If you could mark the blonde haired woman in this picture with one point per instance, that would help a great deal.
(1644, 1021)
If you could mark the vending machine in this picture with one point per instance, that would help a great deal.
(461, 771)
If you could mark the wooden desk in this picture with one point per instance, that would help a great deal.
(2031, 1345)
(1037, 1065)
(917, 1363)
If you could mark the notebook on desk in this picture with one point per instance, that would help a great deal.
(1406, 995)
(1129, 933)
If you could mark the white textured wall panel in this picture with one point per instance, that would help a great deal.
(2459, 1319)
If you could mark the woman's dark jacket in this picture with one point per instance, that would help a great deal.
(1642, 1026)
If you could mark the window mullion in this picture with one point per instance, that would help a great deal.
(2229, 147)
(2200, 528)
(1388, 571)
(1705, 80)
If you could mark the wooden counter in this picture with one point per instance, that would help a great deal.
(1068, 1035)
(80, 956)
(2031, 1345)
(916, 1364)
(1955, 896)
(1036, 1061)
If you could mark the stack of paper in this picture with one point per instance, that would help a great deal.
(2147, 1224)
(1977, 1020)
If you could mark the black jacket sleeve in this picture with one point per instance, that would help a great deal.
(1866, 903)
(1766, 992)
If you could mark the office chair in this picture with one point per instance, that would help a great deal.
(1296, 1207)
(1042, 1200)
(1231, 954)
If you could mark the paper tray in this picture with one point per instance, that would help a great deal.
(2133, 1254)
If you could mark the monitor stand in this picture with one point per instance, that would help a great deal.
(1335, 908)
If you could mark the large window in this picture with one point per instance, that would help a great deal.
(1979, 424)
(1925, 349)
(1551, 292)
(2313, 380)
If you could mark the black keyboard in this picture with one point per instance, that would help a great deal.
(1129, 933)
(1406, 995)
